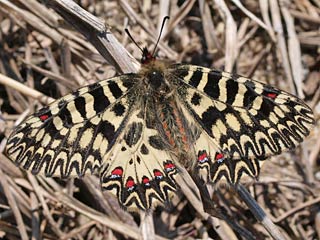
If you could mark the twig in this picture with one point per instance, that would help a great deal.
(192, 193)
(281, 43)
(118, 226)
(14, 207)
(258, 212)
(147, 226)
(230, 34)
(35, 217)
(46, 211)
(51, 75)
(72, 234)
(24, 89)
(208, 27)
(298, 208)
(304, 17)
(97, 33)
(293, 50)
(251, 15)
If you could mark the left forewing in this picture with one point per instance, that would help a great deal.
(69, 137)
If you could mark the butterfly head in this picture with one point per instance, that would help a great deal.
(147, 57)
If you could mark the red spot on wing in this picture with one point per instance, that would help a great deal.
(44, 117)
(157, 174)
(117, 172)
(130, 183)
(146, 180)
(219, 156)
(202, 157)
(169, 167)
(271, 95)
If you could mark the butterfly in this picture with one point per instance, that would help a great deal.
(137, 130)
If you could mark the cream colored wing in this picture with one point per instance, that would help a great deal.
(240, 120)
(71, 136)
(138, 169)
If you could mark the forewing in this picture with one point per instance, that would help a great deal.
(138, 169)
(71, 136)
(245, 119)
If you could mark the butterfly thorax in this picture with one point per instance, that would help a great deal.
(155, 82)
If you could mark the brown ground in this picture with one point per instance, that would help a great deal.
(275, 43)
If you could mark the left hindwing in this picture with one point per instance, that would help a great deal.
(138, 169)
(246, 119)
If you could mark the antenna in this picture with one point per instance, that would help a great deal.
(146, 56)
(163, 22)
(127, 31)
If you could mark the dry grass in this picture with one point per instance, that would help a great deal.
(42, 57)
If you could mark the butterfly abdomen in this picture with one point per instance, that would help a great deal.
(175, 128)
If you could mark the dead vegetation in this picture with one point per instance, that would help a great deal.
(44, 55)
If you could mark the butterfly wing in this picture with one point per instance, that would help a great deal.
(138, 169)
(71, 136)
(243, 120)
(233, 121)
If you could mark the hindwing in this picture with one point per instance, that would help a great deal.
(138, 169)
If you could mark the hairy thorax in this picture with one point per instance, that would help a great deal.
(156, 81)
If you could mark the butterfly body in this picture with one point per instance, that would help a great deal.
(137, 130)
